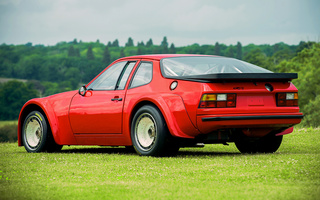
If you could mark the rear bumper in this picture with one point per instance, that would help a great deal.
(210, 123)
(264, 117)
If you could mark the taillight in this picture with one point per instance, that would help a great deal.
(218, 101)
(287, 99)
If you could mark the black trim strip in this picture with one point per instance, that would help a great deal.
(236, 77)
(252, 117)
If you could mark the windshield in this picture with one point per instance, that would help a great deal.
(200, 65)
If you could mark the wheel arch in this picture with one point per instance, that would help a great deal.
(177, 121)
(29, 107)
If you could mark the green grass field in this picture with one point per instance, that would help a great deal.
(213, 172)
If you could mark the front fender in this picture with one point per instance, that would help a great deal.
(41, 105)
(56, 109)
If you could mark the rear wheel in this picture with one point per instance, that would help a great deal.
(36, 136)
(149, 133)
(267, 144)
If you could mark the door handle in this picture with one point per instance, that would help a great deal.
(116, 99)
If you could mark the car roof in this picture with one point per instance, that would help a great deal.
(161, 56)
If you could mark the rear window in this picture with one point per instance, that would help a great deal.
(193, 65)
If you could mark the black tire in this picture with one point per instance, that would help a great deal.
(149, 133)
(36, 134)
(267, 144)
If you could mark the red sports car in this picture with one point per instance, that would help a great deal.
(160, 103)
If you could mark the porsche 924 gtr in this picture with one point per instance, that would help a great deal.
(160, 103)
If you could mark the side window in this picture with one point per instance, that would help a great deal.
(143, 75)
(123, 80)
(108, 79)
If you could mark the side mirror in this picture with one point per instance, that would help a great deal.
(83, 90)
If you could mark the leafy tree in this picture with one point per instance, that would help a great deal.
(130, 42)
(139, 51)
(281, 55)
(303, 45)
(13, 95)
(141, 44)
(239, 51)
(90, 55)
(106, 56)
(77, 52)
(230, 52)
(164, 45)
(149, 43)
(73, 74)
(307, 65)
(122, 53)
(217, 49)
(115, 43)
(172, 49)
(257, 57)
(71, 51)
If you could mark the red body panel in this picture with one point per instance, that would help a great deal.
(56, 109)
(94, 119)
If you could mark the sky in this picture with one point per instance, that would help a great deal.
(183, 22)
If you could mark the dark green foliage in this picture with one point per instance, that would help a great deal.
(217, 49)
(139, 51)
(67, 65)
(115, 43)
(230, 52)
(307, 65)
(8, 133)
(239, 51)
(122, 53)
(71, 51)
(149, 43)
(304, 45)
(90, 55)
(13, 96)
(106, 56)
(172, 49)
(259, 58)
(164, 45)
(141, 44)
(130, 42)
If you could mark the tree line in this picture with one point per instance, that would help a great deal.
(67, 65)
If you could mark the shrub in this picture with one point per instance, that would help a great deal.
(8, 133)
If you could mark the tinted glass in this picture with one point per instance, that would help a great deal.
(108, 79)
(143, 75)
(193, 65)
(125, 75)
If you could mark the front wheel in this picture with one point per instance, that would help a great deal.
(36, 136)
(267, 144)
(149, 133)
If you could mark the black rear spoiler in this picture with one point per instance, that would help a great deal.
(239, 77)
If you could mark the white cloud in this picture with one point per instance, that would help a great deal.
(183, 22)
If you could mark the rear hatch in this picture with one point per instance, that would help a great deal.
(234, 93)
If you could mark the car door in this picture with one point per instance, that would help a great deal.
(99, 111)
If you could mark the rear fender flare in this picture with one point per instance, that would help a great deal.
(173, 110)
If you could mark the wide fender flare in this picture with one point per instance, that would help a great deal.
(174, 112)
(49, 113)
